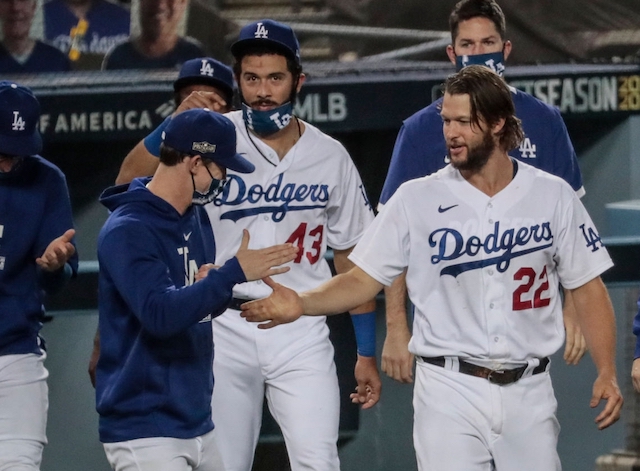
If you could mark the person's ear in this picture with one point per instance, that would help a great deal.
(506, 49)
(497, 128)
(452, 54)
(194, 162)
(301, 78)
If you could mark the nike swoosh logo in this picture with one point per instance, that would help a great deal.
(186, 236)
(442, 210)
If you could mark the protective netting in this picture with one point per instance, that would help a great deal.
(361, 32)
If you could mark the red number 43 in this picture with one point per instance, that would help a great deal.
(521, 296)
(298, 238)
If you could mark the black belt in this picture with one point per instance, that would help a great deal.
(501, 377)
(237, 302)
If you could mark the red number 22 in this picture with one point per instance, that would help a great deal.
(520, 301)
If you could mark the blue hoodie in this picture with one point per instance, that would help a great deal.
(34, 210)
(154, 377)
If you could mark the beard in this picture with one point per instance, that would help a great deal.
(477, 156)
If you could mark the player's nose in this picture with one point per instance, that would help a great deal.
(262, 90)
(450, 131)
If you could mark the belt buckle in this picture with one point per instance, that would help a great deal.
(496, 376)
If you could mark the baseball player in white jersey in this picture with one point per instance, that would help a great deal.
(486, 242)
(306, 191)
(478, 36)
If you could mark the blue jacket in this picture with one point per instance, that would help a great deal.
(34, 210)
(420, 147)
(154, 376)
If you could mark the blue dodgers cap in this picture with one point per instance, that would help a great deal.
(19, 116)
(269, 32)
(207, 71)
(200, 131)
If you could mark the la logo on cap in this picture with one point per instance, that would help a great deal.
(261, 32)
(18, 123)
(206, 68)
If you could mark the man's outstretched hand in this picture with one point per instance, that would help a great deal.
(283, 306)
(259, 263)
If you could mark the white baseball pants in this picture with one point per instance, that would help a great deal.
(294, 368)
(165, 454)
(466, 423)
(24, 402)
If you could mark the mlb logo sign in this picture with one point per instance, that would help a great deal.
(261, 32)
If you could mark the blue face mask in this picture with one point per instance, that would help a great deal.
(266, 123)
(215, 188)
(494, 60)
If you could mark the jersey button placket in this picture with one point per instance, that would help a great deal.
(270, 223)
(494, 290)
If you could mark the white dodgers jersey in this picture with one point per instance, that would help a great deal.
(312, 198)
(484, 272)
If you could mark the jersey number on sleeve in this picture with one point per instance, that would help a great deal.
(522, 297)
(298, 237)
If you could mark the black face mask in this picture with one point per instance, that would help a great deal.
(215, 188)
(17, 171)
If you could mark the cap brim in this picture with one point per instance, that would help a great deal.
(21, 145)
(238, 48)
(205, 80)
(237, 163)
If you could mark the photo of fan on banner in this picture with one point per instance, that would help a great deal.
(61, 35)
(22, 48)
